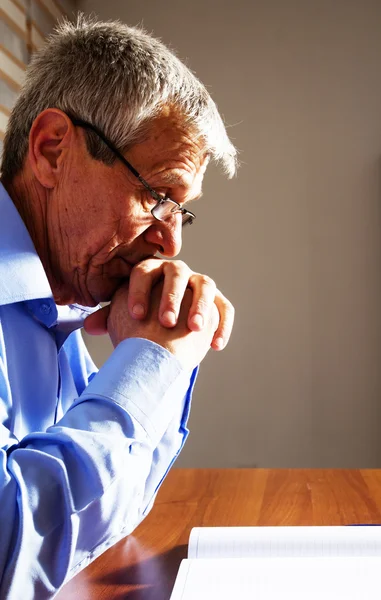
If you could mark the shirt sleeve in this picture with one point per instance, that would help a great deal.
(69, 493)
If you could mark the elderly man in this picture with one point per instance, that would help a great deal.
(107, 143)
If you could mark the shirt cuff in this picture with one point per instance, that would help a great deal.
(146, 380)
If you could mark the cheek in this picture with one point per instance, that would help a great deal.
(131, 230)
(133, 223)
(104, 220)
(105, 241)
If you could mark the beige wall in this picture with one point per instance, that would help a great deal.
(297, 242)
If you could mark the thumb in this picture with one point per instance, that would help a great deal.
(96, 323)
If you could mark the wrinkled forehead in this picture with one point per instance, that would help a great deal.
(170, 144)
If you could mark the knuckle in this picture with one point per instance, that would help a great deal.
(206, 281)
(202, 304)
(175, 276)
(142, 268)
(180, 264)
(136, 295)
(172, 297)
(179, 268)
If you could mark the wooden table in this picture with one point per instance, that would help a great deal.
(144, 565)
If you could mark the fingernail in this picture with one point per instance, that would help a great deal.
(169, 316)
(138, 310)
(219, 343)
(198, 321)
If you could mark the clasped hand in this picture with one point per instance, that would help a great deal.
(171, 305)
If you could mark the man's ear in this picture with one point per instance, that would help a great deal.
(49, 138)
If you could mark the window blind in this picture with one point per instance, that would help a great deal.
(24, 25)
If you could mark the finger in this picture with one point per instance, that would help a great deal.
(142, 279)
(96, 323)
(225, 326)
(176, 279)
(204, 292)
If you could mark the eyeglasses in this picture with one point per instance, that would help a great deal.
(165, 207)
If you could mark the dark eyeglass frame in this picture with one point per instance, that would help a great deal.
(187, 216)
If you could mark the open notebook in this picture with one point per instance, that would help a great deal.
(281, 563)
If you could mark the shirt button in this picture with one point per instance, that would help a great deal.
(45, 309)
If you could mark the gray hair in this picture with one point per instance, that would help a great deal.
(118, 78)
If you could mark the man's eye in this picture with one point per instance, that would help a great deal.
(152, 200)
(149, 200)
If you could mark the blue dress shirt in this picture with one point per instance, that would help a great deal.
(82, 453)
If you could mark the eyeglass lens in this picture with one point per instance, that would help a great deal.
(168, 207)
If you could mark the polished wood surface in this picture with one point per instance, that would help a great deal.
(144, 565)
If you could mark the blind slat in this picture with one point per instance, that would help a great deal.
(8, 94)
(52, 8)
(24, 25)
(19, 63)
(15, 14)
(8, 66)
(37, 38)
(19, 29)
(5, 110)
(3, 121)
(15, 86)
(14, 43)
(19, 5)
(44, 21)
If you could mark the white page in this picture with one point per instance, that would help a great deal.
(279, 579)
(236, 542)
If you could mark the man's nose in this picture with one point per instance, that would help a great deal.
(167, 235)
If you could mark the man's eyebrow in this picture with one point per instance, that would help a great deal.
(173, 179)
(177, 180)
